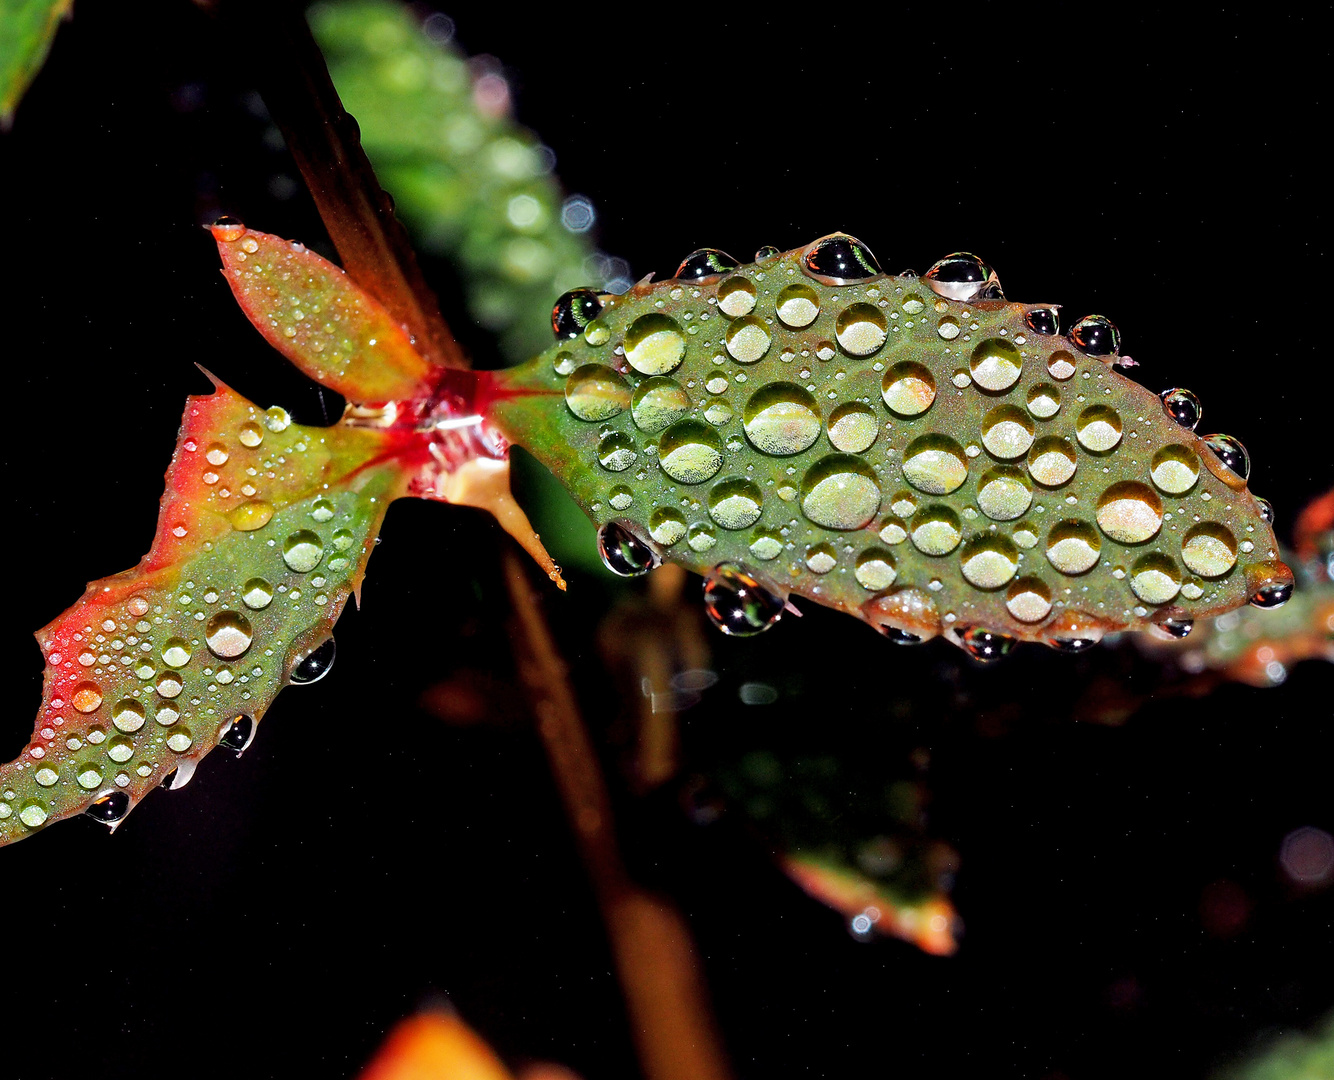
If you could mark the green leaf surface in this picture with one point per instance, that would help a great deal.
(27, 28)
(310, 311)
(930, 465)
(264, 531)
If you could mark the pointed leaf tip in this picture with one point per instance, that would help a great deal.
(312, 312)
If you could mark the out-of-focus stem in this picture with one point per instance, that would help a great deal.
(665, 992)
(325, 142)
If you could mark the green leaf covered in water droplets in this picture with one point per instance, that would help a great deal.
(264, 531)
(931, 465)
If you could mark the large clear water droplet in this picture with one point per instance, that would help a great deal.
(1096, 335)
(705, 263)
(1044, 320)
(839, 259)
(237, 733)
(302, 551)
(110, 808)
(623, 553)
(737, 603)
(228, 634)
(573, 312)
(1231, 453)
(314, 666)
(1182, 406)
(963, 276)
(987, 646)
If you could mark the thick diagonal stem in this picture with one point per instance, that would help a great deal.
(289, 70)
(665, 992)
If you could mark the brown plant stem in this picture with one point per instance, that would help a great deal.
(665, 992)
(289, 70)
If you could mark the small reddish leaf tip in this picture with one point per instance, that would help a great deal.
(227, 230)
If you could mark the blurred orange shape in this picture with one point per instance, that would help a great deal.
(435, 1046)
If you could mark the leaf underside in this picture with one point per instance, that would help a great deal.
(925, 464)
(264, 531)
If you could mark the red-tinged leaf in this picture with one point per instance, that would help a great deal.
(264, 531)
(312, 312)
(435, 1046)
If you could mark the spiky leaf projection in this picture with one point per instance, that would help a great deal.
(918, 452)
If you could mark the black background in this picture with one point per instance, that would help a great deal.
(278, 915)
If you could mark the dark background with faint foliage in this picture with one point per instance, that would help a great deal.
(1126, 911)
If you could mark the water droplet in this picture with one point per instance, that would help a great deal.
(564, 364)
(737, 603)
(1272, 595)
(623, 553)
(620, 497)
(657, 403)
(302, 551)
(110, 808)
(216, 454)
(276, 419)
(797, 305)
(179, 741)
(46, 776)
(257, 594)
(1175, 469)
(616, 451)
(322, 510)
(996, 364)
(33, 815)
(705, 263)
(935, 530)
(908, 388)
(251, 515)
(840, 492)
(766, 545)
(1044, 401)
(1096, 335)
(227, 229)
(989, 561)
(1130, 512)
(1028, 599)
(839, 259)
(748, 339)
(782, 418)
(948, 328)
(1266, 510)
(312, 667)
(861, 329)
(1044, 320)
(735, 504)
(86, 697)
(1073, 547)
(167, 715)
(853, 427)
(905, 615)
(1098, 428)
(736, 297)
(169, 684)
(1004, 493)
(1177, 628)
(1007, 432)
(120, 750)
(690, 452)
(1155, 579)
(1182, 406)
(595, 392)
(701, 537)
(1060, 365)
(89, 777)
(935, 464)
(572, 313)
(1052, 461)
(342, 539)
(178, 777)
(1231, 453)
(1209, 550)
(766, 252)
(237, 733)
(988, 646)
(597, 333)
(963, 276)
(820, 558)
(128, 715)
(228, 634)
(251, 434)
(654, 344)
(875, 570)
(667, 526)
